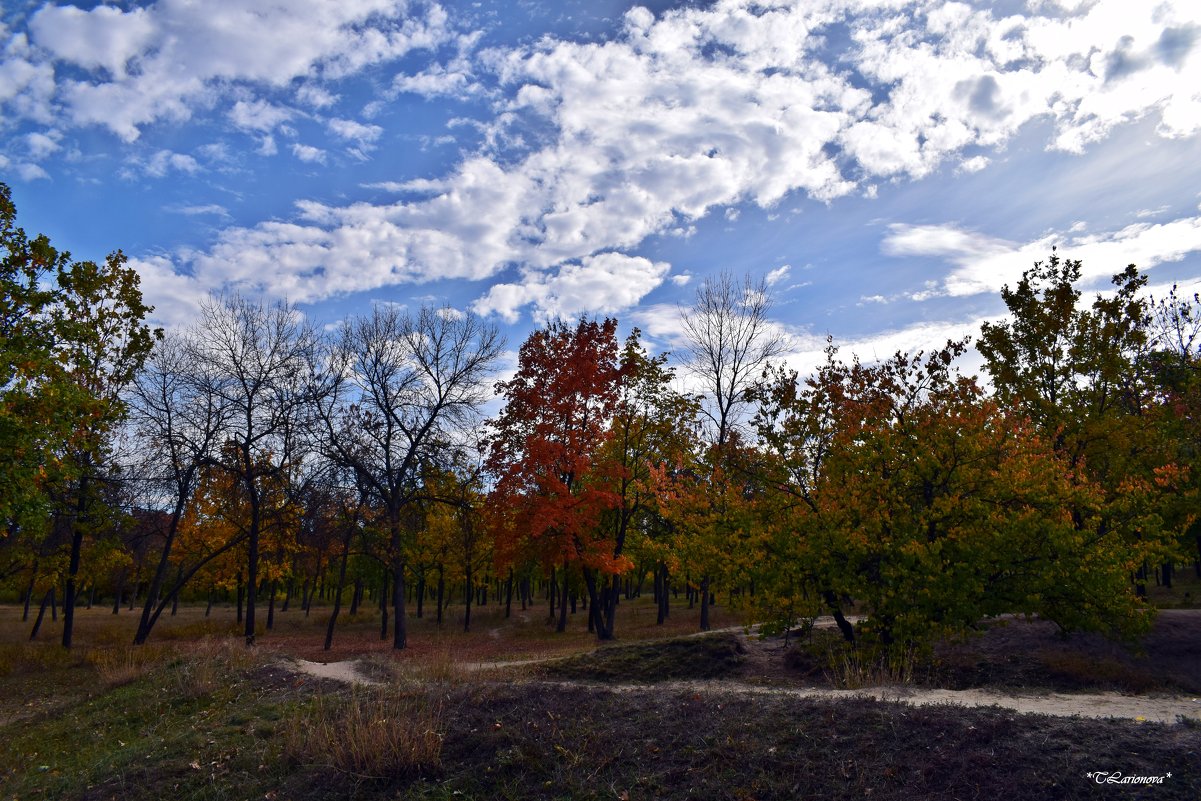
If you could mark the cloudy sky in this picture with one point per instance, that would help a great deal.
(887, 166)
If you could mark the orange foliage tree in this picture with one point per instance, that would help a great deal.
(551, 486)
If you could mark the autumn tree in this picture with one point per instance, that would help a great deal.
(550, 484)
(456, 518)
(652, 426)
(1081, 376)
(902, 486)
(399, 386)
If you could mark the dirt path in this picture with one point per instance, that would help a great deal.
(1148, 708)
(346, 672)
(1140, 708)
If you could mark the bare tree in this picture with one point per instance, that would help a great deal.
(400, 386)
(179, 420)
(261, 357)
(729, 340)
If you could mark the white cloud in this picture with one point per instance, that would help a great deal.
(982, 264)
(31, 172)
(602, 284)
(308, 153)
(40, 145)
(198, 211)
(363, 136)
(259, 115)
(597, 145)
(170, 58)
(164, 161)
(777, 275)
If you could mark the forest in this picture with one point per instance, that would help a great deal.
(253, 457)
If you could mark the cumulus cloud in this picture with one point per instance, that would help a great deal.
(602, 284)
(597, 145)
(168, 59)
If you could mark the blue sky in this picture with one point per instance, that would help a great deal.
(888, 166)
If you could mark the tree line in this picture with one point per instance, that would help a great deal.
(249, 453)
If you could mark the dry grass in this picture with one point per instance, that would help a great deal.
(381, 733)
(120, 665)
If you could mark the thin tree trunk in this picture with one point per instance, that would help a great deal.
(563, 604)
(29, 592)
(509, 595)
(271, 605)
(383, 606)
(356, 596)
(467, 601)
(240, 591)
(441, 589)
(705, 603)
(48, 598)
(420, 593)
(77, 526)
(333, 617)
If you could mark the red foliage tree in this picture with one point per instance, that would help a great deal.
(551, 489)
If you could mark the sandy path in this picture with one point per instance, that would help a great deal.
(347, 672)
(1149, 708)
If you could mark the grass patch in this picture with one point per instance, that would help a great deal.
(714, 656)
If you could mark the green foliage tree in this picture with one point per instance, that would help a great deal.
(34, 414)
(74, 338)
(1081, 375)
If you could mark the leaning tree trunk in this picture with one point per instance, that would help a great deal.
(333, 617)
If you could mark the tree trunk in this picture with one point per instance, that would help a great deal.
(844, 626)
(441, 590)
(271, 605)
(399, 624)
(383, 606)
(563, 604)
(120, 591)
(209, 607)
(420, 593)
(81, 506)
(704, 603)
(509, 595)
(29, 592)
(664, 594)
(467, 601)
(240, 594)
(333, 617)
(48, 598)
(356, 596)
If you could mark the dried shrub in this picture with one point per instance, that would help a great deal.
(381, 733)
(118, 666)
